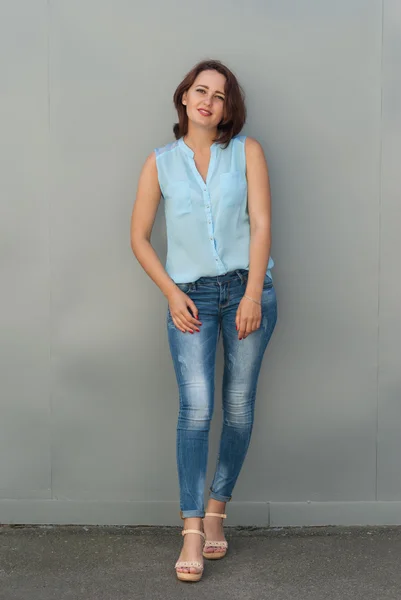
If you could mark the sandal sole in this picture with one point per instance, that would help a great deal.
(214, 555)
(190, 577)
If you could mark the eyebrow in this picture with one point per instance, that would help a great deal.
(207, 87)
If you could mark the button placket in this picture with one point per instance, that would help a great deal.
(206, 196)
(217, 259)
(209, 220)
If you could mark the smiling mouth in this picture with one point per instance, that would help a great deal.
(204, 113)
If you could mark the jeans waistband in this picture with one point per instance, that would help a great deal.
(239, 273)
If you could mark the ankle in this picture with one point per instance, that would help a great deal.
(193, 523)
(215, 506)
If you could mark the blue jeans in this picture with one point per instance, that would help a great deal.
(194, 356)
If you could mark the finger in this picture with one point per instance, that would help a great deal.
(247, 333)
(192, 324)
(193, 308)
(183, 326)
(186, 320)
(242, 329)
(237, 320)
(249, 326)
(192, 320)
(248, 329)
(178, 326)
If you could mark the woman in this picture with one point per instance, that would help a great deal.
(217, 279)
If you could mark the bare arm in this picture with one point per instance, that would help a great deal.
(142, 221)
(259, 207)
(249, 314)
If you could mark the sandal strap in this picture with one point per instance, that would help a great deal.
(210, 544)
(185, 531)
(192, 563)
(222, 516)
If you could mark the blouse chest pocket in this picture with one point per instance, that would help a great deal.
(178, 197)
(233, 187)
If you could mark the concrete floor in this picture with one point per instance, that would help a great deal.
(121, 563)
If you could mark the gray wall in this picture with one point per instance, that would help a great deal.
(88, 393)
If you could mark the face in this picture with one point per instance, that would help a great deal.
(205, 99)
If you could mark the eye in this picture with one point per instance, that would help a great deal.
(220, 98)
(203, 91)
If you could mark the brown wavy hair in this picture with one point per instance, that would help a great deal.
(234, 104)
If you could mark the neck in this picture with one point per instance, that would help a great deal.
(200, 139)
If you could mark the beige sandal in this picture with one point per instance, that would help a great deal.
(209, 544)
(187, 564)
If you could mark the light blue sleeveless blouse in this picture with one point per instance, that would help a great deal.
(208, 229)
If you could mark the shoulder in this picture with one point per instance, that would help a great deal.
(254, 153)
(151, 163)
(256, 163)
(149, 167)
(165, 150)
(253, 147)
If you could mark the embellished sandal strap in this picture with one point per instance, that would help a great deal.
(193, 563)
(210, 544)
(222, 516)
(185, 531)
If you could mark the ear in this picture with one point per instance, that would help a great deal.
(184, 98)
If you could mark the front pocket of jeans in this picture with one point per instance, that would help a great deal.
(233, 187)
(184, 287)
(178, 197)
(268, 283)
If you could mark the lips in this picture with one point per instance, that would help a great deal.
(204, 113)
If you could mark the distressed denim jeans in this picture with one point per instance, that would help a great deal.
(194, 356)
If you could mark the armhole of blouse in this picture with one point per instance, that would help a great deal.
(243, 141)
(157, 154)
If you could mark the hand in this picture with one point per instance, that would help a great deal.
(179, 303)
(248, 318)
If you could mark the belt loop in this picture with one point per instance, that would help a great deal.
(240, 275)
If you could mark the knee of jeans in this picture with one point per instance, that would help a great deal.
(195, 418)
(239, 421)
(238, 414)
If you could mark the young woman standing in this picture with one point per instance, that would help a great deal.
(217, 280)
